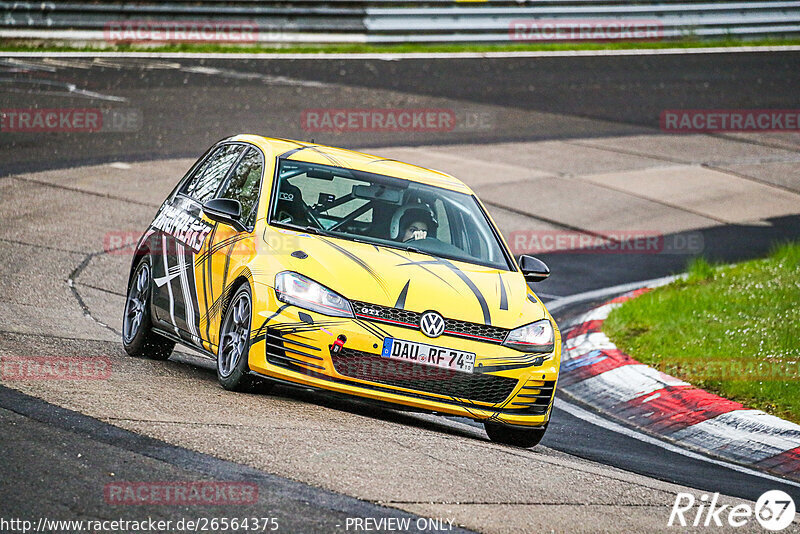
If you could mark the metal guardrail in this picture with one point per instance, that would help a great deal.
(402, 21)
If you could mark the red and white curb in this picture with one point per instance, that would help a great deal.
(596, 372)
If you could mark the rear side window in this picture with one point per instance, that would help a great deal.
(212, 171)
(244, 184)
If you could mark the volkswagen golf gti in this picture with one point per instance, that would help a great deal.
(292, 262)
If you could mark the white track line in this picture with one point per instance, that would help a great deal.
(414, 55)
(600, 293)
(602, 422)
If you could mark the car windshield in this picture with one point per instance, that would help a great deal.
(383, 210)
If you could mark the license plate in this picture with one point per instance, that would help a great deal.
(398, 349)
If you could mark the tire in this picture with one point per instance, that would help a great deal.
(514, 436)
(138, 337)
(233, 369)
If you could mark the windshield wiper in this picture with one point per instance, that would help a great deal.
(315, 230)
(418, 251)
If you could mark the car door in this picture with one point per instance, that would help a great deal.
(181, 243)
(230, 248)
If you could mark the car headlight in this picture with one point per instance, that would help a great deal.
(534, 337)
(296, 289)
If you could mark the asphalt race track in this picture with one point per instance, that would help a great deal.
(550, 144)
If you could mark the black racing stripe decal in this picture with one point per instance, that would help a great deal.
(302, 327)
(205, 297)
(361, 263)
(372, 329)
(487, 317)
(225, 242)
(422, 266)
(532, 298)
(289, 153)
(401, 299)
(307, 326)
(194, 304)
(257, 336)
(503, 296)
(216, 306)
(373, 326)
(213, 247)
(227, 265)
(207, 274)
(222, 244)
(301, 344)
(327, 156)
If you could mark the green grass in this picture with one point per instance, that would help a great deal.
(21, 46)
(732, 330)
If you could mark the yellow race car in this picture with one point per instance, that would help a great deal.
(293, 262)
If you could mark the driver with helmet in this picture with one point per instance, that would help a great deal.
(413, 222)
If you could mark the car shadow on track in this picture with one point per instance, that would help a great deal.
(337, 401)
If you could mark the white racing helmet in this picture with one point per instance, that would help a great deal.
(427, 217)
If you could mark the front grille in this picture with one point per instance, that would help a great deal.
(410, 319)
(534, 397)
(372, 367)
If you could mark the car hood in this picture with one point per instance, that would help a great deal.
(408, 280)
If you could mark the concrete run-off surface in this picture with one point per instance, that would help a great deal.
(55, 225)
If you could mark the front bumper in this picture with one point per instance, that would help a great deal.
(293, 344)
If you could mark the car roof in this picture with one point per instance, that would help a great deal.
(350, 159)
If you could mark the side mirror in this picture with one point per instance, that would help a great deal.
(224, 210)
(533, 269)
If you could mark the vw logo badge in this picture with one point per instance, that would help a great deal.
(431, 324)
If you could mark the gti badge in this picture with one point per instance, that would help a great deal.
(431, 324)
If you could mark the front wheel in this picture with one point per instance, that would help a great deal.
(515, 436)
(138, 338)
(233, 369)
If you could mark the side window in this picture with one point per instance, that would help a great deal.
(245, 183)
(209, 175)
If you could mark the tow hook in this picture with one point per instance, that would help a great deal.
(338, 344)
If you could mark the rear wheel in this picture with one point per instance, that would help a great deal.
(138, 337)
(233, 369)
(514, 435)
